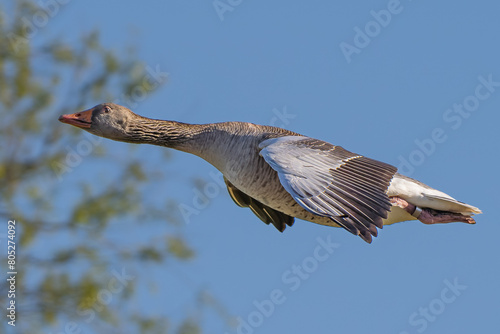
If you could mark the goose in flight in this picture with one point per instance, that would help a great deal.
(282, 175)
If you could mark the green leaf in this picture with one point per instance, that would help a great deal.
(178, 248)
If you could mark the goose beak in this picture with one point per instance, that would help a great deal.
(82, 119)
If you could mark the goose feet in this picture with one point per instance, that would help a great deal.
(430, 216)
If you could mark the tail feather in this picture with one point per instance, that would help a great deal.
(421, 195)
(453, 205)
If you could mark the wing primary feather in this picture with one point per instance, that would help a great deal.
(354, 173)
(372, 178)
(360, 187)
(330, 181)
(379, 203)
(354, 212)
(364, 208)
(349, 227)
(268, 215)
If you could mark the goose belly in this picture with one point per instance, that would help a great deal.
(259, 181)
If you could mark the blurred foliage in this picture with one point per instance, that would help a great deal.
(75, 282)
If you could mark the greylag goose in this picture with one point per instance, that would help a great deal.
(282, 175)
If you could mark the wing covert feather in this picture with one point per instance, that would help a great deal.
(330, 181)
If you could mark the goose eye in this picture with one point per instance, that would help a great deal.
(106, 110)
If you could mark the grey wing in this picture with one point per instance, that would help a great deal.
(332, 182)
(265, 213)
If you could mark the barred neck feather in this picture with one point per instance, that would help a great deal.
(171, 134)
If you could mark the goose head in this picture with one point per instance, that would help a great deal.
(107, 120)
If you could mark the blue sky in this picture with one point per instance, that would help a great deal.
(385, 79)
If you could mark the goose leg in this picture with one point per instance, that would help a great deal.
(430, 216)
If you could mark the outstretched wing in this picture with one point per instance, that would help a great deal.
(265, 213)
(332, 182)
